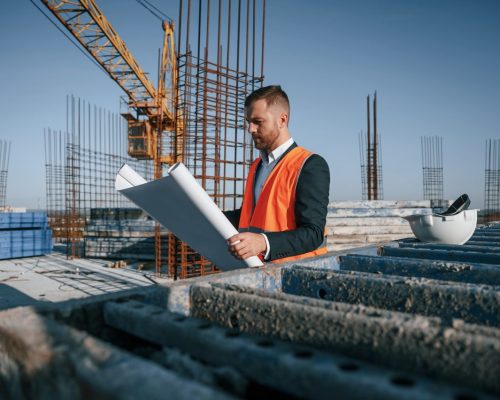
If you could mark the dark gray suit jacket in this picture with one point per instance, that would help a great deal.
(311, 204)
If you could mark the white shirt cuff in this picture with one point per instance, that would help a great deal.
(268, 248)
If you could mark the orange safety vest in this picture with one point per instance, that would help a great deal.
(275, 209)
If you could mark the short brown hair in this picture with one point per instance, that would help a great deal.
(272, 94)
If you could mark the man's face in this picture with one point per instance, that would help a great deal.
(263, 124)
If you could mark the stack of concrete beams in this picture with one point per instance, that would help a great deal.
(24, 234)
(120, 233)
(417, 325)
(354, 224)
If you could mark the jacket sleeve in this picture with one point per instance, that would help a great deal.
(311, 207)
(233, 216)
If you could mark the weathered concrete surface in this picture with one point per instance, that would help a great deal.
(52, 361)
(452, 247)
(53, 278)
(177, 293)
(412, 343)
(226, 378)
(442, 270)
(448, 255)
(473, 303)
(296, 370)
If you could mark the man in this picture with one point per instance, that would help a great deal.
(283, 214)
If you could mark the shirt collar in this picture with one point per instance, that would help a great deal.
(276, 153)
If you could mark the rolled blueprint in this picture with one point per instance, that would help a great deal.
(180, 204)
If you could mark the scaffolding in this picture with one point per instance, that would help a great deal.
(370, 156)
(432, 167)
(4, 170)
(492, 181)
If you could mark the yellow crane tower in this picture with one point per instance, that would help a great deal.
(151, 112)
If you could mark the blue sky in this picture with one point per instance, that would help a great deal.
(435, 66)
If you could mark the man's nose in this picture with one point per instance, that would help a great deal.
(252, 128)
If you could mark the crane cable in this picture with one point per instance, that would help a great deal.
(69, 37)
(154, 10)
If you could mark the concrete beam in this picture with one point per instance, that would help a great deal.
(420, 268)
(472, 303)
(460, 256)
(298, 371)
(452, 247)
(52, 361)
(407, 343)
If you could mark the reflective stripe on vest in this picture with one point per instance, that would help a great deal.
(275, 209)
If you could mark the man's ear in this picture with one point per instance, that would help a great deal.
(283, 120)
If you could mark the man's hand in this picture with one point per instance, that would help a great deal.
(247, 244)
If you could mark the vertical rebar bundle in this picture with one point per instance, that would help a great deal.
(4, 170)
(492, 181)
(81, 166)
(220, 51)
(370, 156)
(432, 167)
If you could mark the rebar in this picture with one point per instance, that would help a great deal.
(5, 147)
(492, 181)
(212, 90)
(432, 167)
(370, 156)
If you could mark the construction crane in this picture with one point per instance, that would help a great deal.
(151, 112)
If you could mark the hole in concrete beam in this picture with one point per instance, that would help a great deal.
(233, 321)
(403, 381)
(465, 396)
(265, 343)
(349, 367)
(321, 293)
(232, 333)
(180, 318)
(303, 353)
(204, 325)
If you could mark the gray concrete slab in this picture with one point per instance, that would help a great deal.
(402, 341)
(52, 361)
(473, 303)
(53, 278)
(296, 370)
